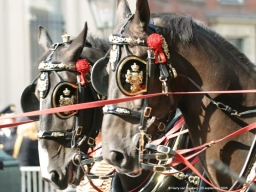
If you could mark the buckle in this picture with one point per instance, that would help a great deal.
(91, 141)
(159, 168)
(161, 126)
(147, 111)
(161, 156)
(79, 130)
(163, 149)
(54, 46)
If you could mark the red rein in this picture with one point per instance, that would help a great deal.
(179, 153)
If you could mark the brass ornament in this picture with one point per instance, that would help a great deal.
(165, 48)
(132, 76)
(117, 40)
(122, 111)
(65, 94)
(42, 84)
(66, 99)
(113, 57)
(51, 66)
(66, 38)
(57, 134)
(135, 78)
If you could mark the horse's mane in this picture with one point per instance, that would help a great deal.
(182, 26)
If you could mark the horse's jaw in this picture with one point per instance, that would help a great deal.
(71, 176)
(59, 177)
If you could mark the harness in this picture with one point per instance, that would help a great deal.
(133, 77)
(64, 94)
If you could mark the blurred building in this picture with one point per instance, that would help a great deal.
(233, 19)
(19, 50)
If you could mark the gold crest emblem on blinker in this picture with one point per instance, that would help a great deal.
(135, 78)
(65, 94)
(132, 76)
(67, 99)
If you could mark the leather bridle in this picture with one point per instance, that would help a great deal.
(167, 72)
(144, 115)
(74, 93)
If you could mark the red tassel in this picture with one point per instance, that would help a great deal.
(83, 67)
(155, 42)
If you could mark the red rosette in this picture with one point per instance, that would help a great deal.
(155, 42)
(83, 67)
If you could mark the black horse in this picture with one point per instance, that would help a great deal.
(64, 79)
(171, 52)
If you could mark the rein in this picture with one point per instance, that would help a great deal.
(118, 100)
(219, 105)
(94, 104)
(121, 111)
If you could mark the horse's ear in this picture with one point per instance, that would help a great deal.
(141, 15)
(74, 50)
(123, 10)
(44, 39)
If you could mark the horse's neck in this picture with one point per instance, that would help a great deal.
(219, 73)
(213, 69)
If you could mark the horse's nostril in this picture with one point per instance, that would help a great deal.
(54, 176)
(117, 158)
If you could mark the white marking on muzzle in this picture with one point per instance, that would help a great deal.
(44, 162)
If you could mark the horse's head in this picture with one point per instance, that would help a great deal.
(144, 58)
(64, 79)
(133, 70)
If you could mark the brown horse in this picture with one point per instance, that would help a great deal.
(64, 79)
(203, 60)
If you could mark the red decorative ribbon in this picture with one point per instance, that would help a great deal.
(83, 67)
(155, 42)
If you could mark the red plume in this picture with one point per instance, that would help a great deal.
(155, 42)
(83, 67)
